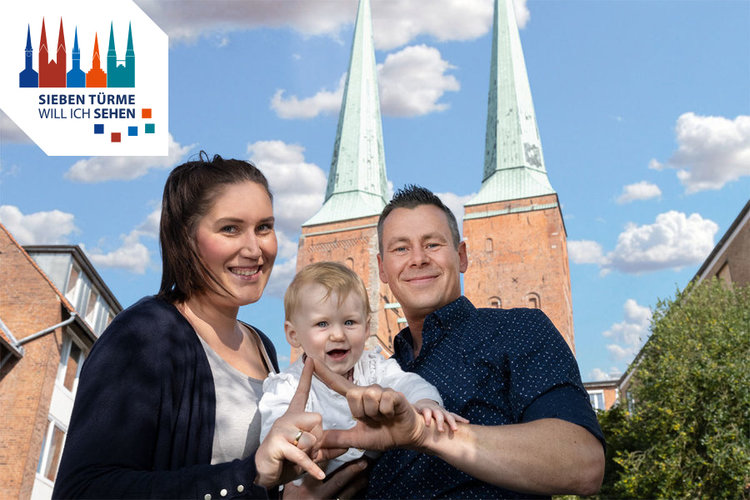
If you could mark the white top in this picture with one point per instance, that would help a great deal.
(372, 368)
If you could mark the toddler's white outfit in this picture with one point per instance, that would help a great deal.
(372, 368)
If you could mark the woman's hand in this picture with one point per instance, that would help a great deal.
(292, 445)
(345, 482)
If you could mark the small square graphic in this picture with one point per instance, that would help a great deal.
(146, 113)
(150, 128)
(115, 136)
(132, 131)
(98, 128)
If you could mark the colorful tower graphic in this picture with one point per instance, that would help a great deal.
(96, 77)
(28, 77)
(513, 227)
(52, 73)
(120, 73)
(76, 77)
(345, 227)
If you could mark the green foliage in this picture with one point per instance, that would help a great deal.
(689, 433)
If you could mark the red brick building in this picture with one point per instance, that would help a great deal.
(45, 334)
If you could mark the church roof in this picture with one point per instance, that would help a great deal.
(513, 164)
(357, 184)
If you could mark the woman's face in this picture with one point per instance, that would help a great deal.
(237, 242)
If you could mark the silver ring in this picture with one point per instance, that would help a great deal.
(296, 438)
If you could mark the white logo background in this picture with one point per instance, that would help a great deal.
(68, 135)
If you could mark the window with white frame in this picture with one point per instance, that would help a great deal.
(72, 288)
(91, 308)
(49, 458)
(71, 360)
(597, 399)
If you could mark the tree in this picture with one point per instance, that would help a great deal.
(689, 432)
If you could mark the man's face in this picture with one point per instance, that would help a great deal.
(419, 261)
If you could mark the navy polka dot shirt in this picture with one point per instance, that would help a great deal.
(494, 367)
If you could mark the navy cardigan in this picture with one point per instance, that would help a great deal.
(144, 415)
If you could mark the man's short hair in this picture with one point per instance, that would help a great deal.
(412, 196)
(334, 277)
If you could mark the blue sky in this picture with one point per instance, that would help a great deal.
(643, 109)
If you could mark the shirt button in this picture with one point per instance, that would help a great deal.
(207, 496)
(240, 489)
(223, 492)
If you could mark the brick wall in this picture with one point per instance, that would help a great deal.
(28, 304)
(520, 255)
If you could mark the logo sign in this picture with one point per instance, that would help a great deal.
(85, 78)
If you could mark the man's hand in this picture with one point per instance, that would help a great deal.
(293, 439)
(386, 419)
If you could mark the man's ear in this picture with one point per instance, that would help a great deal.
(381, 272)
(291, 334)
(463, 259)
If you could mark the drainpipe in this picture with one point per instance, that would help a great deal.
(18, 343)
(44, 332)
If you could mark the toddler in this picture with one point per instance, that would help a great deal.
(327, 314)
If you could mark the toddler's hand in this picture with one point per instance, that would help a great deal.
(430, 410)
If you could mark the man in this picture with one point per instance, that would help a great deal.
(509, 372)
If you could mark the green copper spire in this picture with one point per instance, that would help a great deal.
(513, 160)
(356, 180)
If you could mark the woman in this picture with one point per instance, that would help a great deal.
(167, 399)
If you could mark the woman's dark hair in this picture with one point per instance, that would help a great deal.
(189, 193)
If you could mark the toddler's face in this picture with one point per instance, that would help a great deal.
(326, 330)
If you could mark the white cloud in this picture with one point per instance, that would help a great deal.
(674, 240)
(9, 131)
(298, 187)
(712, 151)
(324, 102)
(150, 226)
(639, 191)
(281, 276)
(413, 81)
(456, 203)
(585, 252)
(629, 335)
(132, 255)
(597, 374)
(395, 22)
(186, 21)
(40, 228)
(108, 168)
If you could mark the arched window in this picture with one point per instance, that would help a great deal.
(495, 302)
(533, 301)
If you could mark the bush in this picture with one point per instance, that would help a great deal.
(689, 433)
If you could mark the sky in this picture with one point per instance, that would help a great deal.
(643, 109)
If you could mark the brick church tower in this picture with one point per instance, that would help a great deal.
(345, 227)
(514, 230)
